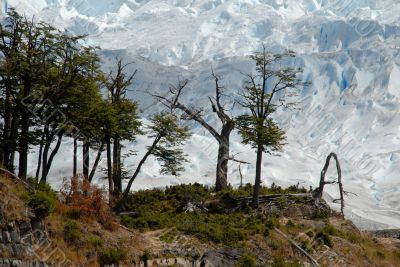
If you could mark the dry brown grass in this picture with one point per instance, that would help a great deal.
(12, 196)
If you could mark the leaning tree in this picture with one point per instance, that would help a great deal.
(167, 138)
(271, 87)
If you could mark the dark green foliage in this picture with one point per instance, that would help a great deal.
(112, 256)
(160, 209)
(72, 232)
(272, 222)
(324, 237)
(167, 151)
(270, 88)
(95, 242)
(290, 223)
(246, 261)
(42, 204)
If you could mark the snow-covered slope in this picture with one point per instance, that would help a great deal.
(348, 49)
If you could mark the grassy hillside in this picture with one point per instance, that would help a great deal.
(188, 224)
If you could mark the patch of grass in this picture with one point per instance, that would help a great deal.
(161, 209)
(380, 254)
(397, 254)
(246, 261)
(280, 261)
(95, 242)
(169, 236)
(272, 222)
(112, 256)
(72, 232)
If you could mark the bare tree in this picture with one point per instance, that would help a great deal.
(319, 191)
(192, 113)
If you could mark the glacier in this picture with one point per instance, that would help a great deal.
(349, 49)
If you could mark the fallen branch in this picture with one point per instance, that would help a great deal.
(270, 198)
(312, 260)
(24, 183)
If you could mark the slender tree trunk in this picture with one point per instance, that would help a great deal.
(24, 136)
(257, 183)
(75, 159)
(13, 139)
(109, 171)
(86, 160)
(49, 138)
(5, 158)
(52, 155)
(40, 157)
(120, 205)
(23, 147)
(96, 162)
(117, 167)
(47, 161)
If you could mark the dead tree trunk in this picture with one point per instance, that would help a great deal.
(191, 113)
(319, 191)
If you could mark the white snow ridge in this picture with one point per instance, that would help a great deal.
(349, 49)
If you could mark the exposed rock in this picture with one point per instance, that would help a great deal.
(221, 257)
(6, 237)
(390, 233)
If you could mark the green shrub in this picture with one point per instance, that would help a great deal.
(325, 238)
(272, 222)
(112, 256)
(42, 204)
(246, 261)
(380, 254)
(290, 223)
(72, 231)
(95, 242)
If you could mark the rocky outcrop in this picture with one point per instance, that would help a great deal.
(221, 257)
(19, 242)
(390, 233)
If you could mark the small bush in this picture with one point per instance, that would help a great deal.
(272, 222)
(112, 256)
(325, 238)
(290, 223)
(380, 254)
(246, 261)
(72, 232)
(85, 202)
(95, 242)
(42, 204)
